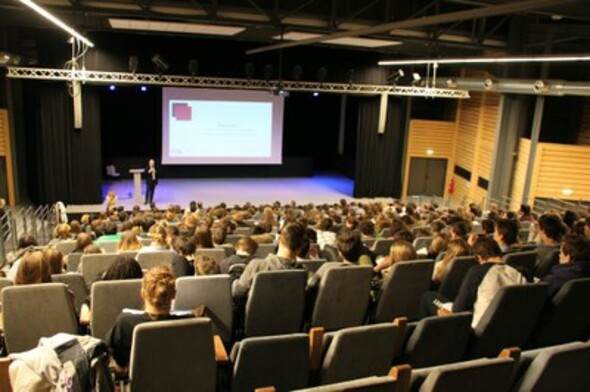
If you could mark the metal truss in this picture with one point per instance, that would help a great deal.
(102, 77)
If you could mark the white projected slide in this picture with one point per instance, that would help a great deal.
(202, 126)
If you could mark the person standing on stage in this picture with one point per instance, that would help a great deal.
(152, 181)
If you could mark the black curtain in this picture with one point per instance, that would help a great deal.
(379, 156)
(64, 164)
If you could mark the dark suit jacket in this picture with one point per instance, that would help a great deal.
(148, 177)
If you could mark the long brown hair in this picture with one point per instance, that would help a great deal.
(455, 248)
(129, 241)
(33, 268)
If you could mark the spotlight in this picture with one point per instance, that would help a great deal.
(416, 78)
(395, 76)
(143, 88)
(193, 67)
(112, 87)
(160, 64)
(316, 94)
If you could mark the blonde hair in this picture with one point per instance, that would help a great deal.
(455, 248)
(62, 231)
(158, 234)
(401, 251)
(159, 288)
(205, 265)
(129, 241)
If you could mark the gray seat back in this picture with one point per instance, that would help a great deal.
(508, 320)
(330, 253)
(109, 246)
(233, 238)
(281, 361)
(422, 242)
(264, 250)
(74, 260)
(212, 291)
(556, 368)
(362, 351)
(523, 260)
(382, 246)
(76, 285)
(565, 317)
(481, 375)
(33, 311)
(243, 231)
(451, 283)
(275, 303)
(343, 298)
(94, 265)
(312, 266)
(217, 253)
(438, 340)
(366, 384)
(5, 282)
(402, 290)
(173, 355)
(66, 247)
(109, 298)
(149, 260)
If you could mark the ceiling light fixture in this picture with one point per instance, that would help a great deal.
(41, 11)
(489, 60)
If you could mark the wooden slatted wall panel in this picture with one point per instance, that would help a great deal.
(487, 134)
(520, 167)
(561, 166)
(584, 135)
(438, 136)
(468, 122)
(3, 131)
(7, 153)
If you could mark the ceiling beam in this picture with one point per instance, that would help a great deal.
(450, 17)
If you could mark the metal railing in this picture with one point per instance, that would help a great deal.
(14, 222)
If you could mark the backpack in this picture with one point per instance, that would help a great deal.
(500, 275)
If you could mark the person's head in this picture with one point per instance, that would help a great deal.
(366, 227)
(33, 268)
(437, 226)
(506, 232)
(438, 244)
(570, 217)
(486, 248)
(151, 163)
(552, 228)
(524, 210)
(55, 260)
(247, 245)
(184, 245)
(291, 239)
(219, 235)
(62, 231)
(349, 244)
(401, 250)
(158, 235)
(487, 227)
(26, 240)
(456, 248)
(405, 235)
(129, 241)
(325, 224)
(158, 289)
(579, 228)
(75, 228)
(110, 228)
(205, 265)
(203, 237)
(122, 268)
(82, 242)
(92, 250)
(459, 229)
(574, 248)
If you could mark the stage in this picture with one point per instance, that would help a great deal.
(318, 189)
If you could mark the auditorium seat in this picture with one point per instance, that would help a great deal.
(264, 250)
(422, 242)
(330, 253)
(457, 270)
(109, 246)
(565, 317)
(281, 361)
(555, 368)
(217, 253)
(509, 319)
(524, 261)
(243, 230)
(94, 265)
(66, 247)
(275, 303)
(214, 292)
(5, 282)
(74, 260)
(76, 284)
(31, 312)
(342, 298)
(233, 238)
(108, 299)
(362, 351)
(402, 290)
(149, 260)
(435, 340)
(173, 355)
(382, 246)
(311, 266)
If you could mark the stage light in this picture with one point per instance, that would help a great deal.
(416, 78)
(143, 88)
(41, 11)
(160, 64)
(112, 87)
(316, 94)
(567, 192)
(395, 76)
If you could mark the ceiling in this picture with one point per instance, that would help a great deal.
(565, 26)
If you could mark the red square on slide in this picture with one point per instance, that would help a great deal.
(182, 112)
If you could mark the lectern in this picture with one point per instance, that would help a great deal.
(137, 184)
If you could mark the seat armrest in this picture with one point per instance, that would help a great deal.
(403, 375)
(220, 353)
(84, 315)
(316, 338)
(5, 385)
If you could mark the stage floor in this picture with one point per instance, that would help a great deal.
(322, 188)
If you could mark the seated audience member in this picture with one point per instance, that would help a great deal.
(123, 268)
(587, 228)
(579, 228)
(551, 231)
(438, 226)
(290, 242)
(159, 239)
(55, 260)
(524, 213)
(481, 280)
(570, 217)
(458, 229)
(574, 263)
(157, 291)
(26, 243)
(182, 263)
(487, 227)
(129, 242)
(203, 237)
(60, 233)
(325, 235)
(455, 248)
(246, 248)
(400, 251)
(506, 235)
(437, 246)
(205, 265)
(367, 229)
(110, 233)
(351, 248)
(33, 268)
